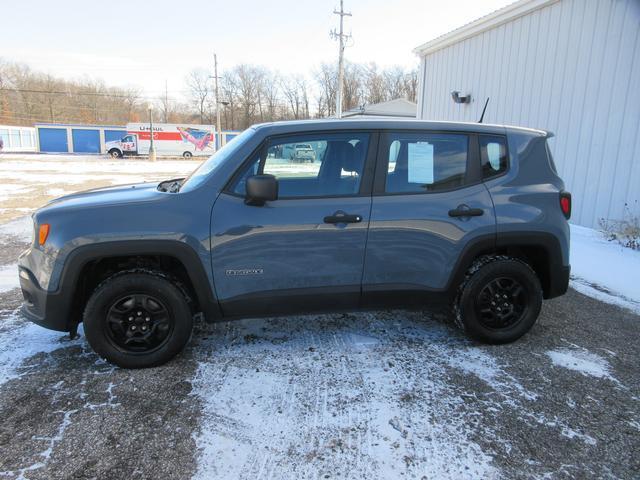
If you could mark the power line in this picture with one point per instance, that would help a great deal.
(70, 93)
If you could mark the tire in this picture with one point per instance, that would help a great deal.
(499, 300)
(138, 319)
(187, 155)
(115, 153)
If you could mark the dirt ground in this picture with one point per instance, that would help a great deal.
(386, 394)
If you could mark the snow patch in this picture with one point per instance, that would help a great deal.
(20, 340)
(604, 270)
(582, 361)
(21, 228)
(333, 400)
(9, 278)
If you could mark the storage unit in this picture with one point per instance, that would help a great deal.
(18, 139)
(85, 140)
(53, 140)
(569, 66)
(70, 138)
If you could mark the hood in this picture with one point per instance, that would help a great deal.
(116, 195)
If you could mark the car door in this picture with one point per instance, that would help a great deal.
(129, 144)
(305, 250)
(428, 204)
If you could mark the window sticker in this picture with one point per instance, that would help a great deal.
(493, 153)
(420, 163)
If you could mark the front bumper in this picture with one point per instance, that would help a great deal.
(47, 309)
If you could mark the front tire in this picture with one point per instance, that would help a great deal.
(137, 320)
(187, 155)
(115, 153)
(499, 300)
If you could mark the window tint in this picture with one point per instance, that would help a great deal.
(424, 162)
(493, 155)
(325, 165)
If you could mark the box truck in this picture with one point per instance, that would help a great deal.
(169, 140)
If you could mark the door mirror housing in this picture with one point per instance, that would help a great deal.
(261, 189)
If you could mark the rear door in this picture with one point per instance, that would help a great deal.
(428, 204)
(304, 251)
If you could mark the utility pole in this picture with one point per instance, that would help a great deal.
(152, 150)
(341, 38)
(166, 102)
(218, 132)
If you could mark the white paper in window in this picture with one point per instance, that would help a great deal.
(420, 163)
(493, 153)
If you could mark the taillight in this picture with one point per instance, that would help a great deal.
(43, 233)
(565, 204)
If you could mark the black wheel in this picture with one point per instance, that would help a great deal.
(115, 153)
(187, 155)
(499, 300)
(137, 320)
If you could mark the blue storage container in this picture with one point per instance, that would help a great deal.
(85, 141)
(53, 140)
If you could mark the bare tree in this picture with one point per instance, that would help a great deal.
(199, 90)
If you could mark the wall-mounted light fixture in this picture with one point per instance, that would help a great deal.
(457, 98)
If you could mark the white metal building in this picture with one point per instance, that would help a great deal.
(569, 66)
(18, 139)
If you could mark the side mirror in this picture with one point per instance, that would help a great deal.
(261, 189)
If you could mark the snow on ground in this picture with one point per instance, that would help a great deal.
(20, 228)
(8, 277)
(582, 361)
(352, 395)
(20, 340)
(604, 270)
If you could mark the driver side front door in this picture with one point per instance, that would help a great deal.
(297, 253)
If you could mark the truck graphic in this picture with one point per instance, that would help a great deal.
(169, 140)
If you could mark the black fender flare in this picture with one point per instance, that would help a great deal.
(82, 255)
(558, 273)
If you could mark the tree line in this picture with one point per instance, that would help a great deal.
(247, 93)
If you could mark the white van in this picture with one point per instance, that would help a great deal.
(169, 140)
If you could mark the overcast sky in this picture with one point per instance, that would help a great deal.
(136, 43)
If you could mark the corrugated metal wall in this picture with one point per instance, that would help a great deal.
(572, 67)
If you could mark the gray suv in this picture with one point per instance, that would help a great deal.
(393, 213)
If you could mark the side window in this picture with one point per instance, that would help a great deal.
(493, 155)
(311, 165)
(426, 162)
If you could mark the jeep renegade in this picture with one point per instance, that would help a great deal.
(392, 213)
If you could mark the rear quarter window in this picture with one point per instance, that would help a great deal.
(494, 157)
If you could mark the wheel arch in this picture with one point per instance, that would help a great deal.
(540, 250)
(88, 265)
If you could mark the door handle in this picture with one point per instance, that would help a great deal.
(342, 217)
(464, 211)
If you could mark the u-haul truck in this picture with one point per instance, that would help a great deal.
(169, 140)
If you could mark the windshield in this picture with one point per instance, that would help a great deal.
(210, 165)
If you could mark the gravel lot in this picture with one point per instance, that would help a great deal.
(388, 394)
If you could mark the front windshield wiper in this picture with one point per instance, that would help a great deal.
(171, 186)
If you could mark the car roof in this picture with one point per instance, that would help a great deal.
(295, 126)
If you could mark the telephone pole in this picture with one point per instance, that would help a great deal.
(166, 101)
(341, 39)
(218, 132)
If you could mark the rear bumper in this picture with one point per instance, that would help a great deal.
(559, 281)
(47, 309)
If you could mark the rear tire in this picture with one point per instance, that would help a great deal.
(499, 300)
(137, 319)
(187, 155)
